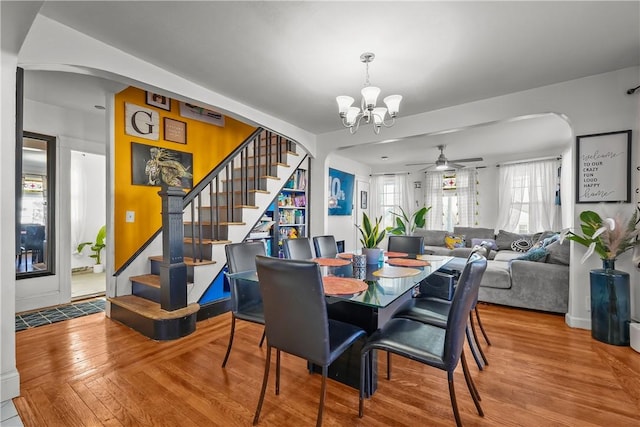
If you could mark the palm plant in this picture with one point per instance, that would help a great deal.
(96, 246)
(407, 224)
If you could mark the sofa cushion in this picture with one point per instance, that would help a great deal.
(456, 241)
(497, 275)
(437, 250)
(506, 255)
(558, 253)
(504, 239)
(479, 241)
(471, 233)
(432, 237)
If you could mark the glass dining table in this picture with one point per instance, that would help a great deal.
(387, 288)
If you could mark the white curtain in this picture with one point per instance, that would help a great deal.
(528, 189)
(387, 193)
(467, 192)
(433, 196)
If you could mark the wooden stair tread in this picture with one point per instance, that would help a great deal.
(187, 260)
(147, 279)
(221, 223)
(150, 309)
(222, 207)
(250, 178)
(208, 241)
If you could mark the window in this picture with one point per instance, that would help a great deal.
(452, 196)
(527, 197)
(388, 193)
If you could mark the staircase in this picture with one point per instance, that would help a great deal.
(158, 289)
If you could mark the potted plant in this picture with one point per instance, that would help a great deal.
(371, 236)
(96, 247)
(610, 293)
(407, 224)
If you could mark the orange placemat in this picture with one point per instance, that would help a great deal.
(345, 255)
(395, 254)
(331, 262)
(407, 262)
(342, 285)
(396, 272)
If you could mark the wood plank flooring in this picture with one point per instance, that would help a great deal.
(92, 371)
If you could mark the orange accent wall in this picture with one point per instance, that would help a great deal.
(208, 143)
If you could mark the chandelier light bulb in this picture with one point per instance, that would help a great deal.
(352, 115)
(344, 102)
(378, 115)
(370, 96)
(393, 104)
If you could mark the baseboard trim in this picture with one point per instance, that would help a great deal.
(10, 385)
(577, 322)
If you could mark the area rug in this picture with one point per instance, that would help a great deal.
(59, 313)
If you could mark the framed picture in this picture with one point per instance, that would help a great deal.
(159, 101)
(155, 166)
(603, 167)
(175, 130)
(340, 192)
(363, 200)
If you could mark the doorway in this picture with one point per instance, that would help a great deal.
(88, 215)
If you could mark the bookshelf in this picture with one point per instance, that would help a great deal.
(290, 211)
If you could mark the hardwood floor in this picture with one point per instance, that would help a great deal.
(92, 371)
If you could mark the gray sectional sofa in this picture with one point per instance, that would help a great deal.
(542, 284)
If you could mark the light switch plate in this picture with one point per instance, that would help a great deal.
(130, 217)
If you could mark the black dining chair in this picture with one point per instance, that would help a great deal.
(407, 244)
(246, 301)
(434, 311)
(325, 246)
(296, 320)
(441, 348)
(299, 248)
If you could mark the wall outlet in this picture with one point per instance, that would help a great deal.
(130, 217)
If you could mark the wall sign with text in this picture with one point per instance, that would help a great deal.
(340, 192)
(603, 167)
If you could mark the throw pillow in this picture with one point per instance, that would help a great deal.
(521, 245)
(452, 242)
(558, 253)
(504, 239)
(480, 242)
(534, 254)
(471, 233)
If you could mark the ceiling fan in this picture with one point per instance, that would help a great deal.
(442, 163)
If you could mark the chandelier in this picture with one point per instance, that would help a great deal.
(352, 116)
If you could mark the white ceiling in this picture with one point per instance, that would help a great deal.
(290, 59)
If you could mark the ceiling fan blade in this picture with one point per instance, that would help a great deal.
(419, 164)
(472, 159)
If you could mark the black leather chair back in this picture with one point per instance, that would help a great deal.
(463, 299)
(295, 310)
(299, 248)
(407, 244)
(325, 246)
(242, 257)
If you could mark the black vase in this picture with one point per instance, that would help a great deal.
(610, 304)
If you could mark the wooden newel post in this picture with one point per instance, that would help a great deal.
(173, 271)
